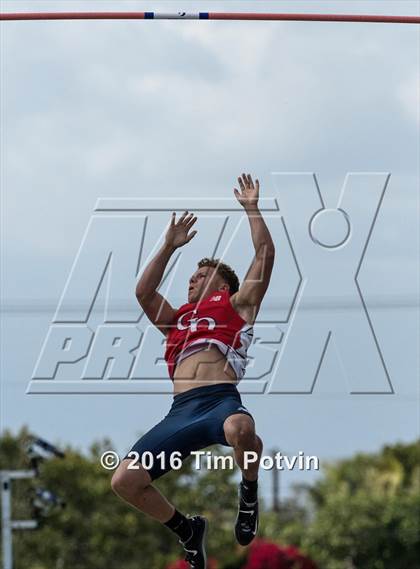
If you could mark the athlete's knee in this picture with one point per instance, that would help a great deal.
(126, 482)
(240, 430)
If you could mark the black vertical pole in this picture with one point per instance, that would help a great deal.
(276, 486)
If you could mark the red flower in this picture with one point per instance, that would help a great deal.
(263, 555)
(266, 555)
(298, 560)
(180, 564)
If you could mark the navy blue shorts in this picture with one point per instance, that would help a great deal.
(195, 421)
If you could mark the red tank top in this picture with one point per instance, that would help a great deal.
(213, 320)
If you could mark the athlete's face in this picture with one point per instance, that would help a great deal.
(203, 282)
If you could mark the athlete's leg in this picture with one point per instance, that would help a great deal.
(239, 430)
(240, 433)
(135, 487)
(174, 433)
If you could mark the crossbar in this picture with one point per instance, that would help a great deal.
(232, 16)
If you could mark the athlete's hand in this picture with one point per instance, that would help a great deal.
(248, 196)
(178, 231)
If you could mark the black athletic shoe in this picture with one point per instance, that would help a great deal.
(195, 546)
(246, 525)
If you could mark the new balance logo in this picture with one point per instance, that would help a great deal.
(215, 298)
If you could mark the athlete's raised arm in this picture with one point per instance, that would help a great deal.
(155, 306)
(248, 299)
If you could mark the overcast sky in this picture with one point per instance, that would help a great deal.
(174, 111)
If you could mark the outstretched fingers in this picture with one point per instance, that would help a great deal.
(187, 219)
(189, 223)
(246, 182)
(182, 218)
(191, 235)
(250, 183)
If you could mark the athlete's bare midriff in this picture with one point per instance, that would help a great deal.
(206, 367)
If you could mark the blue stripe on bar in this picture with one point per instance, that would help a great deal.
(149, 15)
(203, 16)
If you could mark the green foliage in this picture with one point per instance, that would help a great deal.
(97, 530)
(363, 514)
(367, 512)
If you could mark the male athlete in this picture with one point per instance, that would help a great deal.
(206, 353)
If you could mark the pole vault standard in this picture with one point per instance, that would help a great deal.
(210, 16)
